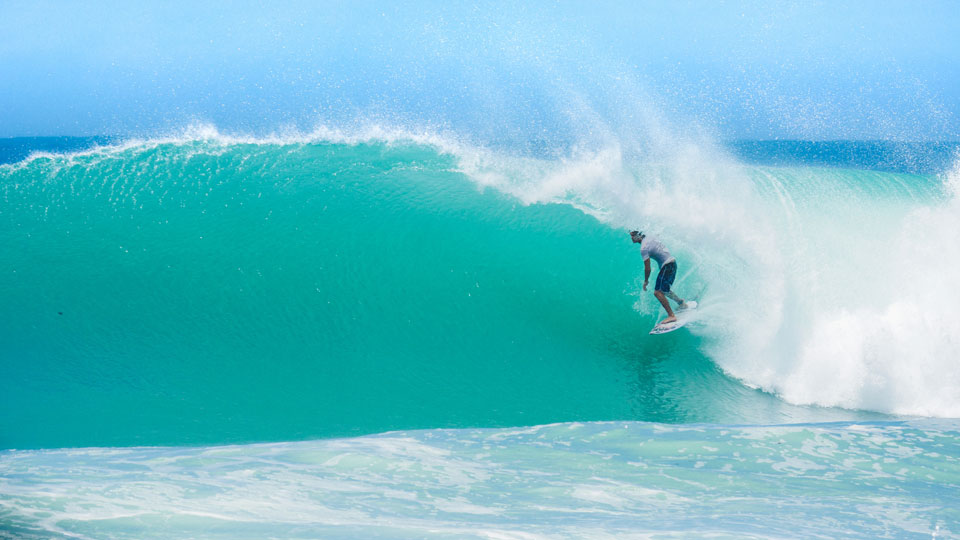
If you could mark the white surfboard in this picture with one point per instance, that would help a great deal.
(683, 317)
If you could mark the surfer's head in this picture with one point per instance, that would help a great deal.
(637, 236)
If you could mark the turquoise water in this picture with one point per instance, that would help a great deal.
(594, 480)
(199, 292)
(188, 293)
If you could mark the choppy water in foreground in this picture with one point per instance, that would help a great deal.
(593, 480)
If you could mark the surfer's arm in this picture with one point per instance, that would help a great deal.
(646, 273)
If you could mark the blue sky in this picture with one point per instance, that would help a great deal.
(808, 70)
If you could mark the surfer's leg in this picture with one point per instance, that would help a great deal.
(666, 305)
(665, 280)
(662, 289)
(673, 296)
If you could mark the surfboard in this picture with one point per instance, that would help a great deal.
(683, 317)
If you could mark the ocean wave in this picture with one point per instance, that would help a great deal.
(389, 269)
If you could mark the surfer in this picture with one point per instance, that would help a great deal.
(668, 271)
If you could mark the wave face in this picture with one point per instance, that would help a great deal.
(207, 289)
(826, 286)
(593, 480)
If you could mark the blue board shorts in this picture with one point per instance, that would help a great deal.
(666, 276)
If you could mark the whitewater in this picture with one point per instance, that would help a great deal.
(343, 333)
(596, 480)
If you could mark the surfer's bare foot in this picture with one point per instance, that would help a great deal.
(668, 320)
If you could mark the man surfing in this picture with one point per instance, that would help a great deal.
(651, 247)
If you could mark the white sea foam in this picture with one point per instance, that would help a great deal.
(563, 481)
(898, 352)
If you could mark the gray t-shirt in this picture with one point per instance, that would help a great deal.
(651, 247)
